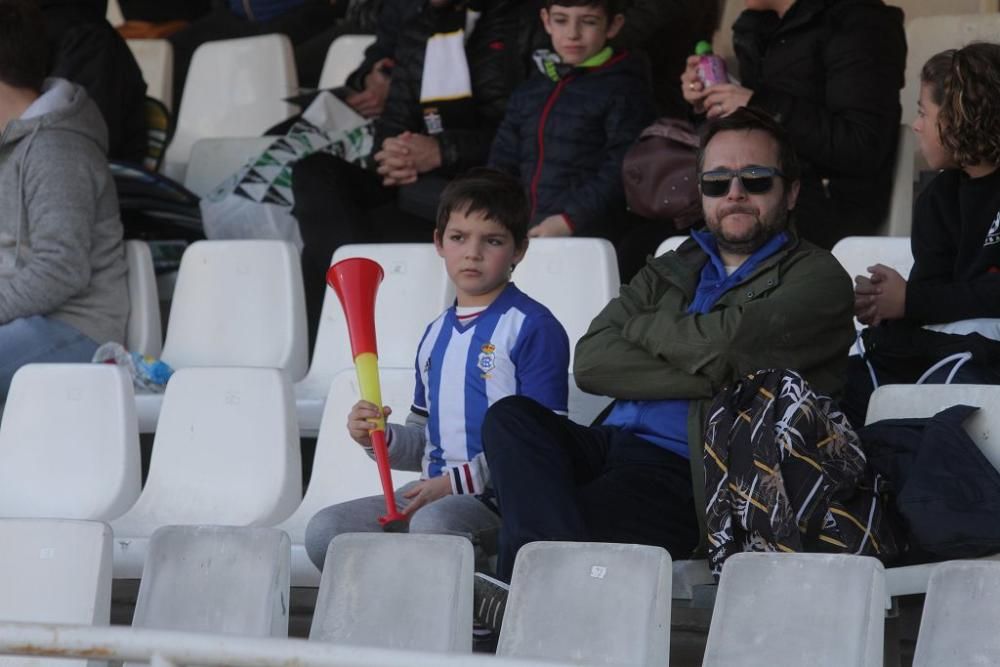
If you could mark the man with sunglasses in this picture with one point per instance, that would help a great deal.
(743, 295)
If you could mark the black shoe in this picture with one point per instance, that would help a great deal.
(489, 601)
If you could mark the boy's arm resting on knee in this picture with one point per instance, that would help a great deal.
(406, 443)
(470, 478)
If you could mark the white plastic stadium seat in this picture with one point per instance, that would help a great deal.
(798, 609)
(960, 618)
(234, 88)
(143, 331)
(857, 253)
(215, 160)
(583, 407)
(344, 56)
(573, 277)
(409, 592)
(414, 291)
(928, 35)
(236, 303)
(226, 451)
(900, 401)
(156, 60)
(342, 470)
(671, 243)
(69, 444)
(221, 579)
(580, 602)
(114, 14)
(54, 571)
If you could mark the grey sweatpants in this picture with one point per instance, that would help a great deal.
(465, 516)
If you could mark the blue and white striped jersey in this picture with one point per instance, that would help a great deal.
(514, 346)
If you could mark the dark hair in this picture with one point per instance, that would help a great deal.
(748, 119)
(964, 83)
(23, 46)
(497, 196)
(611, 7)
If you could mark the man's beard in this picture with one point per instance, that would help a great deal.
(762, 230)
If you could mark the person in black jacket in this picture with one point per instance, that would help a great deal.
(956, 219)
(954, 285)
(830, 72)
(566, 129)
(439, 120)
(85, 49)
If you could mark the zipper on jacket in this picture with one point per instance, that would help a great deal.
(549, 103)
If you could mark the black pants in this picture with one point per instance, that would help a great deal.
(337, 203)
(556, 480)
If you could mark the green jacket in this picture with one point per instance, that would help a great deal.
(795, 311)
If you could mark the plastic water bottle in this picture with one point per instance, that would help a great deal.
(711, 68)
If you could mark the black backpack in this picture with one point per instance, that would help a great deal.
(946, 491)
(784, 471)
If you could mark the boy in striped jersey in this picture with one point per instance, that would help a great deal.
(494, 342)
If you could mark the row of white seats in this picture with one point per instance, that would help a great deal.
(240, 303)
(227, 452)
(571, 602)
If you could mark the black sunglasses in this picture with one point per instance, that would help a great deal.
(755, 180)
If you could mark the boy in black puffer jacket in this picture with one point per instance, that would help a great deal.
(566, 130)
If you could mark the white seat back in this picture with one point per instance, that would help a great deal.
(143, 332)
(234, 88)
(397, 591)
(573, 277)
(672, 243)
(341, 469)
(226, 452)
(588, 602)
(414, 291)
(344, 56)
(857, 253)
(219, 579)
(214, 160)
(114, 14)
(54, 571)
(897, 401)
(960, 618)
(69, 443)
(238, 303)
(156, 60)
(798, 609)
(928, 35)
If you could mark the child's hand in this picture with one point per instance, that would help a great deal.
(361, 421)
(426, 492)
(554, 225)
(881, 297)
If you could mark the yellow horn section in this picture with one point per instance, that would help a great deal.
(366, 365)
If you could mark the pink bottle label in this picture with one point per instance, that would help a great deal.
(712, 70)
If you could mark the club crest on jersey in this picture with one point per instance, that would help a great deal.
(487, 359)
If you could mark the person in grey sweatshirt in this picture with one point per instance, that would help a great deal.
(62, 260)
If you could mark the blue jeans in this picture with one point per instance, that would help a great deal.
(36, 339)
